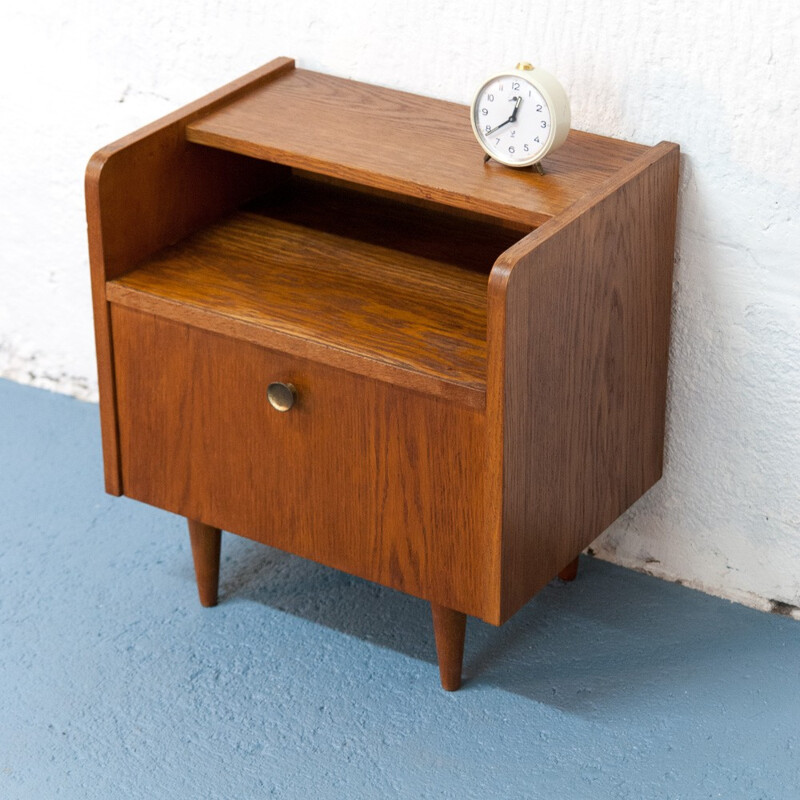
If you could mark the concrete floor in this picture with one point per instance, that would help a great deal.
(307, 683)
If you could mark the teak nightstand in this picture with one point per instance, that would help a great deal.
(377, 351)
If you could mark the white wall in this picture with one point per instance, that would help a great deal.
(721, 79)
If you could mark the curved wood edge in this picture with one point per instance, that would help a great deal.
(449, 628)
(532, 298)
(205, 541)
(145, 191)
(191, 111)
(164, 163)
(516, 256)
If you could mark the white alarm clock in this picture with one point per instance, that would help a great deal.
(521, 115)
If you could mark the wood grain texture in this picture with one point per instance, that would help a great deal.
(365, 477)
(384, 290)
(403, 143)
(449, 628)
(578, 339)
(205, 542)
(148, 190)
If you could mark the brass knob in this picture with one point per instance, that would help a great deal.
(281, 396)
(525, 65)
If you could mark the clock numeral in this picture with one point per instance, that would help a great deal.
(484, 111)
(511, 149)
(488, 128)
(490, 98)
(537, 140)
(544, 123)
(497, 140)
(515, 86)
(513, 133)
(539, 107)
(525, 148)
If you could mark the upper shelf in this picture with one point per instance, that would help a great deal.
(402, 143)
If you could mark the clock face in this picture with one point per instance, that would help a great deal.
(512, 120)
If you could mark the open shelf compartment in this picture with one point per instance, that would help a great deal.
(400, 291)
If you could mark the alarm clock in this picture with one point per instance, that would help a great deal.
(521, 115)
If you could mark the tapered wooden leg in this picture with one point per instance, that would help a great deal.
(448, 630)
(570, 572)
(205, 551)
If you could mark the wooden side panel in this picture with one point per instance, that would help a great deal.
(586, 305)
(369, 478)
(149, 190)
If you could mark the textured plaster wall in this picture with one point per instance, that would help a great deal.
(721, 79)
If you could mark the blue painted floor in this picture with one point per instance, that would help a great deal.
(307, 683)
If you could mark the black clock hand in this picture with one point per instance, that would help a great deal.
(497, 128)
(512, 118)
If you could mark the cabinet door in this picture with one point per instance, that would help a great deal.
(359, 475)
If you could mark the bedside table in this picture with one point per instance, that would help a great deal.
(376, 351)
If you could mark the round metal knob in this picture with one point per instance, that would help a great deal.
(281, 396)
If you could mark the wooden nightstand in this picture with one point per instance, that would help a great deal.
(474, 358)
